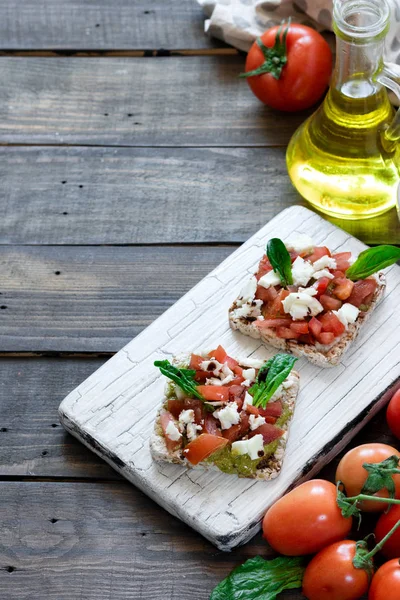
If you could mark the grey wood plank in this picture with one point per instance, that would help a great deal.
(63, 541)
(173, 101)
(92, 299)
(102, 25)
(86, 195)
(32, 440)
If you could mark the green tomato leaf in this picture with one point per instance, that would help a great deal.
(348, 507)
(380, 476)
(182, 377)
(372, 260)
(280, 260)
(259, 579)
(270, 377)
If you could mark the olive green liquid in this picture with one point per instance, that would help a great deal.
(339, 159)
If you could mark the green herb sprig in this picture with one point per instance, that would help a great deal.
(280, 260)
(372, 260)
(260, 579)
(184, 378)
(270, 377)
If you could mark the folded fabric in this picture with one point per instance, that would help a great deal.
(240, 22)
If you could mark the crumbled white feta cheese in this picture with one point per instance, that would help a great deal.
(205, 366)
(260, 318)
(269, 279)
(249, 374)
(302, 271)
(186, 416)
(226, 371)
(300, 304)
(256, 421)
(249, 310)
(248, 292)
(228, 416)
(347, 314)
(325, 262)
(191, 431)
(173, 432)
(248, 399)
(255, 363)
(254, 447)
(302, 243)
(311, 291)
(213, 381)
(323, 273)
(288, 382)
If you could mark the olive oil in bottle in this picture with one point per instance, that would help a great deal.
(345, 159)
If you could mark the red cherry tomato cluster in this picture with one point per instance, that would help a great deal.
(308, 520)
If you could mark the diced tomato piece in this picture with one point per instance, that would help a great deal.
(237, 431)
(252, 410)
(238, 371)
(231, 362)
(195, 361)
(273, 409)
(201, 376)
(264, 267)
(319, 252)
(166, 418)
(338, 274)
(269, 432)
(203, 446)
(293, 255)
(342, 287)
(362, 290)
(219, 354)
(214, 392)
(272, 323)
(315, 327)
(330, 303)
(266, 295)
(326, 337)
(331, 323)
(197, 407)
(211, 425)
(299, 326)
(306, 338)
(237, 394)
(275, 308)
(175, 407)
(342, 260)
(321, 286)
(287, 333)
(237, 381)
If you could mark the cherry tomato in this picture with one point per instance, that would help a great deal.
(303, 78)
(386, 582)
(353, 475)
(391, 549)
(305, 520)
(203, 446)
(331, 574)
(393, 414)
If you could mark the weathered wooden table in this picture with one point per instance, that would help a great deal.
(132, 162)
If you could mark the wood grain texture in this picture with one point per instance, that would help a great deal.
(32, 441)
(63, 195)
(174, 101)
(92, 299)
(113, 411)
(102, 25)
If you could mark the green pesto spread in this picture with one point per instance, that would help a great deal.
(242, 464)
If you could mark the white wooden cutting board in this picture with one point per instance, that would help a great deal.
(113, 411)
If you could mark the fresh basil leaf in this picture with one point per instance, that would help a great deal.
(182, 377)
(259, 579)
(372, 260)
(270, 377)
(280, 260)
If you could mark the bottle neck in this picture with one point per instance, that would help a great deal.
(357, 67)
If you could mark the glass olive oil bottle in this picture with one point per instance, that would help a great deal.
(345, 159)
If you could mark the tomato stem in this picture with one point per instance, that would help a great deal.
(361, 497)
(380, 544)
(275, 58)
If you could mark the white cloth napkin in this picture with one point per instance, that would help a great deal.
(240, 22)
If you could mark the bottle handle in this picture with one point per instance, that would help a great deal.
(390, 79)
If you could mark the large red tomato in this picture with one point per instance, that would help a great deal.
(386, 582)
(393, 414)
(391, 549)
(331, 574)
(306, 62)
(352, 473)
(305, 520)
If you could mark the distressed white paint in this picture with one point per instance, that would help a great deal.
(118, 403)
